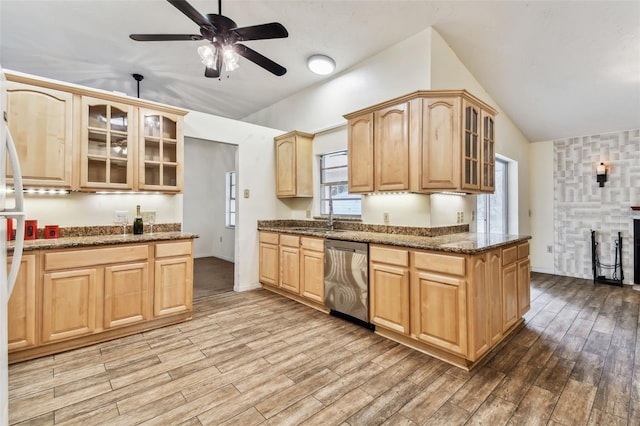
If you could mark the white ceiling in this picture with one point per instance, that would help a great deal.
(559, 69)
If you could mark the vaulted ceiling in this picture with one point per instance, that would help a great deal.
(559, 69)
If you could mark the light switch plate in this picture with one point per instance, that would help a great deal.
(148, 217)
(246, 193)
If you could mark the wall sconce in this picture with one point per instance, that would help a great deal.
(601, 174)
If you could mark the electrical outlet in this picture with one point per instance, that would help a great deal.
(385, 218)
(148, 217)
(549, 249)
(120, 216)
(308, 214)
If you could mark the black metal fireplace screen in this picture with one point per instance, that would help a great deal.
(617, 273)
(636, 251)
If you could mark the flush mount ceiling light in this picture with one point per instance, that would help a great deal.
(321, 64)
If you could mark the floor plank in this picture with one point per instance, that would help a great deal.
(258, 358)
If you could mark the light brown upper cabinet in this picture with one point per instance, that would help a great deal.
(37, 115)
(161, 150)
(106, 145)
(294, 167)
(84, 139)
(426, 141)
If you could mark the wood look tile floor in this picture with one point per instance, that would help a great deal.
(258, 358)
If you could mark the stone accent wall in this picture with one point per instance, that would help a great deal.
(580, 205)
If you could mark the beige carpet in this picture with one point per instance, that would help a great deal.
(211, 276)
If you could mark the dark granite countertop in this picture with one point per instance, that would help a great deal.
(101, 240)
(462, 242)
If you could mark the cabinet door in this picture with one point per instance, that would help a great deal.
(509, 296)
(494, 282)
(269, 264)
(478, 319)
(286, 167)
(442, 312)
(470, 147)
(290, 269)
(312, 273)
(21, 310)
(126, 294)
(40, 121)
(391, 145)
(524, 286)
(161, 151)
(389, 297)
(173, 281)
(488, 154)
(360, 154)
(440, 160)
(69, 302)
(107, 145)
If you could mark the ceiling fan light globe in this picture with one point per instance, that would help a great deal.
(231, 59)
(208, 55)
(321, 64)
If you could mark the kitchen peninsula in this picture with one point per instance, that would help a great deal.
(83, 289)
(444, 291)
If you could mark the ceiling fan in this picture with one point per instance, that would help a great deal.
(224, 40)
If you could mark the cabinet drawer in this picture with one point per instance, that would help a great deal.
(389, 255)
(178, 248)
(92, 257)
(290, 240)
(523, 250)
(509, 255)
(444, 263)
(268, 237)
(316, 244)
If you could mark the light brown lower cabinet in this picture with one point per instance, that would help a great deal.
(69, 304)
(293, 266)
(87, 295)
(456, 307)
(21, 309)
(269, 259)
(312, 269)
(389, 288)
(127, 299)
(290, 263)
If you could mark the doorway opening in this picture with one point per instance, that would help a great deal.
(207, 204)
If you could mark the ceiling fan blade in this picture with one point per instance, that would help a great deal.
(261, 32)
(165, 37)
(259, 59)
(191, 12)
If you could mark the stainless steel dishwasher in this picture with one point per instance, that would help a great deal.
(346, 280)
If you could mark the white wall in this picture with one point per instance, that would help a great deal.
(448, 72)
(541, 199)
(87, 209)
(205, 196)
(256, 172)
(393, 72)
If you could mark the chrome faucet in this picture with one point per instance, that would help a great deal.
(330, 213)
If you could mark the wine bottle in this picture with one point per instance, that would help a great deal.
(138, 228)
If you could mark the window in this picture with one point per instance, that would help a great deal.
(230, 180)
(492, 208)
(334, 186)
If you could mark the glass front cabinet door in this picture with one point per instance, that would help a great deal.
(161, 151)
(106, 151)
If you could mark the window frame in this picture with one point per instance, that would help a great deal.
(231, 191)
(324, 201)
